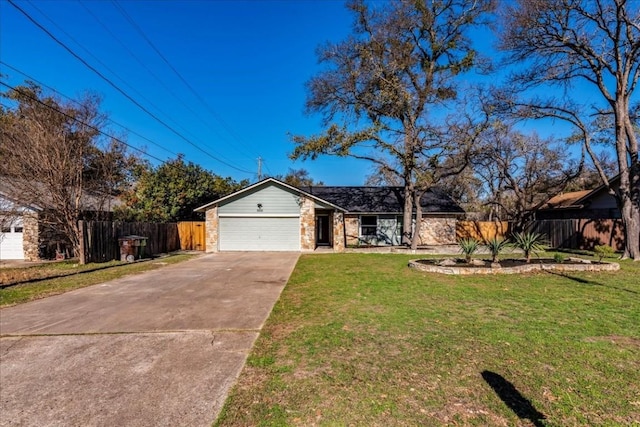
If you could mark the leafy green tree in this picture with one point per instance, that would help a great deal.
(171, 191)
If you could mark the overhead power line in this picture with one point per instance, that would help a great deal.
(21, 92)
(121, 91)
(76, 102)
(104, 66)
(195, 93)
(148, 69)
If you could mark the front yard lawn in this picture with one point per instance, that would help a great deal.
(360, 339)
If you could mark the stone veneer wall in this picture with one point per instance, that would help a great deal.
(211, 229)
(352, 229)
(338, 231)
(438, 231)
(30, 236)
(307, 224)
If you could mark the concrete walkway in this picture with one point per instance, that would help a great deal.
(160, 348)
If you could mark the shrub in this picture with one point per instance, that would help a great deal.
(495, 246)
(468, 247)
(559, 258)
(603, 251)
(529, 243)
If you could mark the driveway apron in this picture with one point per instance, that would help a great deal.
(160, 348)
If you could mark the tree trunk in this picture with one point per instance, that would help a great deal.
(628, 192)
(407, 215)
(81, 249)
(631, 220)
(416, 232)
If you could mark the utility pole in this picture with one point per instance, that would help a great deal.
(259, 168)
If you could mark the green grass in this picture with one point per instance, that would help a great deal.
(360, 339)
(68, 280)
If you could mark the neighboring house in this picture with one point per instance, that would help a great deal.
(589, 218)
(18, 230)
(587, 204)
(274, 216)
(26, 232)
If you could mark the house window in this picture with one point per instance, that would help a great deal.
(368, 225)
(17, 229)
(6, 229)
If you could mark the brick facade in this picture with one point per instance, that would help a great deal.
(211, 229)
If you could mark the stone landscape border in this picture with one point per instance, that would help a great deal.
(581, 265)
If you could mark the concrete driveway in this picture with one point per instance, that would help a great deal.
(160, 348)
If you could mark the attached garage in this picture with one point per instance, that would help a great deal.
(268, 216)
(255, 233)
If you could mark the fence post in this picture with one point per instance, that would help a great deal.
(81, 250)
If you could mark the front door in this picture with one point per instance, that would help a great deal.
(322, 230)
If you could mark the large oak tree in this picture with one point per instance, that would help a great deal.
(381, 88)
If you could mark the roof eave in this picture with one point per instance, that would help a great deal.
(263, 182)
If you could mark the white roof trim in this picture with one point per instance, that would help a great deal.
(18, 203)
(264, 182)
(253, 215)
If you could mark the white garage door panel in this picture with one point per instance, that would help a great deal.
(259, 234)
(11, 245)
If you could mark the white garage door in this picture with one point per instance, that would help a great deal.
(259, 234)
(11, 243)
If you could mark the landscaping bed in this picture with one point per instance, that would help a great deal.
(509, 266)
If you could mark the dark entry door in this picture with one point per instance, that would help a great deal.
(322, 230)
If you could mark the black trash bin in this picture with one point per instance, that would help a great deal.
(132, 247)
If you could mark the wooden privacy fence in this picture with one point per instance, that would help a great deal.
(100, 238)
(581, 233)
(559, 233)
(192, 235)
(482, 230)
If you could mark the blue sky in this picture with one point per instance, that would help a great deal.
(247, 60)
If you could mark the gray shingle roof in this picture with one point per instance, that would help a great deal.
(382, 199)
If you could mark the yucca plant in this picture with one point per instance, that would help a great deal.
(468, 247)
(529, 243)
(495, 246)
(603, 251)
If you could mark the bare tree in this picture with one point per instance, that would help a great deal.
(9, 214)
(379, 94)
(51, 158)
(595, 43)
(521, 172)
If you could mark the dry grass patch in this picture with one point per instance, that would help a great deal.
(56, 278)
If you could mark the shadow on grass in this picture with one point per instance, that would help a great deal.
(510, 395)
(590, 282)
